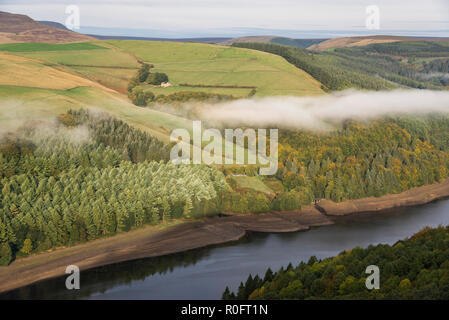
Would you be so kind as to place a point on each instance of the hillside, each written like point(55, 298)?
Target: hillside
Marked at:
point(299, 43)
point(263, 39)
point(53, 24)
point(44, 80)
point(21, 28)
point(190, 66)
point(362, 41)
point(414, 64)
point(217, 66)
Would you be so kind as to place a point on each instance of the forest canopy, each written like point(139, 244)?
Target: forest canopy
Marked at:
point(92, 176)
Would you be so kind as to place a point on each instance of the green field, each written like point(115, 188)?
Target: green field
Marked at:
point(206, 64)
point(109, 66)
point(112, 63)
point(95, 58)
point(252, 184)
point(34, 47)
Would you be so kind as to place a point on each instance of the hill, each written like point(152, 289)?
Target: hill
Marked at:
point(195, 65)
point(201, 40)
point(299, 43)
point(190, 66)
point(415, 64)
point(263, 39)
point(21, 28)
point(53, 24)
point(363, 41)
point(48, 79)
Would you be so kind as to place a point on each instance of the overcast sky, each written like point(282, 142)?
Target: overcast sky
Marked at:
point(199, 16)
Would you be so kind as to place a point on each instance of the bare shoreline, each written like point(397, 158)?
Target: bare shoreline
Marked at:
point(148, 242)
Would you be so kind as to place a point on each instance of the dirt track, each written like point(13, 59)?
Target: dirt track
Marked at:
point(151, 242)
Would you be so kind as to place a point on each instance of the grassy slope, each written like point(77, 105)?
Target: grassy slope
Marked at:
point(208, 64)
point(35, 46)
point(106, 65)
point(20, 103)
point(112, 63)
point(252, 184)
point(20, 71)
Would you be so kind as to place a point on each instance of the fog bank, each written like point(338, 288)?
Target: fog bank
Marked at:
point(318, 113)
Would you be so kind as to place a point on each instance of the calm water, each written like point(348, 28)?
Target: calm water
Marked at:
point(204, 273)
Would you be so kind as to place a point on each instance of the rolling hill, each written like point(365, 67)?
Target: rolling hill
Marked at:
point(215, 65)
point(364, 41)
point(41, 80)
point(21, 28)
point(299, 43)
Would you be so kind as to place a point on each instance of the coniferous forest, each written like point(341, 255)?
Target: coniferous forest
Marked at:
point(89, 175)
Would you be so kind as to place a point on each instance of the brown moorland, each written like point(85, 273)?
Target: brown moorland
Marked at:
point(362, 41)
point(21, 28)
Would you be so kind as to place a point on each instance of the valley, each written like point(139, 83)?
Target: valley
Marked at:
point(87, 175)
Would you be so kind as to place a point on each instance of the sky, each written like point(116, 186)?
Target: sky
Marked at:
point(242, 17)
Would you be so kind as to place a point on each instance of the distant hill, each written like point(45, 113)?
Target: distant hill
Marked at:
point(262, 39)
point(363, 41)
point(53, 24)
point(202, 40)
point(21, 28)
point(299, 43)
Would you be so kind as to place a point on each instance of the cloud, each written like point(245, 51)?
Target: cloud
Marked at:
point(200, 15)
point(319, 113)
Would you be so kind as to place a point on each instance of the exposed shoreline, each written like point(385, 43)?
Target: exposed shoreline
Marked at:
point(147, 242)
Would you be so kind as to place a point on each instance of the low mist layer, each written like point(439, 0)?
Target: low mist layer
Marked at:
point(319, 113)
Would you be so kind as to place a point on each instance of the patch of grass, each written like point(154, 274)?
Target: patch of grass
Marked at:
point(92, 58)
point(252, 184)
point(34, 47)
point(273, 184)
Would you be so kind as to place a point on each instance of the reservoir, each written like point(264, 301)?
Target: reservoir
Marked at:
point(205, 273)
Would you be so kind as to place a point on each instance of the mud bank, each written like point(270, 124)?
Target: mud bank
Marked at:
point(147, 242)
point(413, 197)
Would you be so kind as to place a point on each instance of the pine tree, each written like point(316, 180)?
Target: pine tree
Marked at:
point(5, 254)
point(187, 208)
point(27, 246)
point(155, 218)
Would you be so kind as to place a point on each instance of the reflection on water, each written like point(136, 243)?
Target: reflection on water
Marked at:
point(204, 273)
